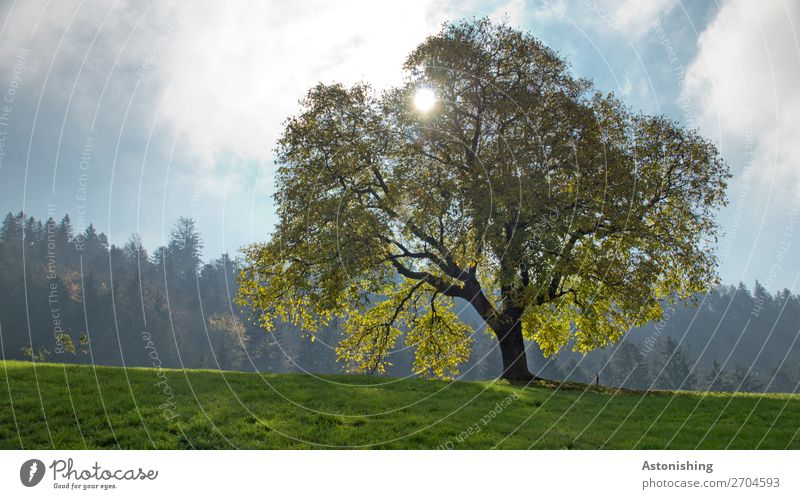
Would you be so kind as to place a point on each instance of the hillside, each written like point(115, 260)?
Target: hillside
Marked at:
point(69, 406)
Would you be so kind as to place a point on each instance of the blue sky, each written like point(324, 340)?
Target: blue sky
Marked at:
point(130, 114)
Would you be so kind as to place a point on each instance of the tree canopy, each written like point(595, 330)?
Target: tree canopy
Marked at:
point(554, 210)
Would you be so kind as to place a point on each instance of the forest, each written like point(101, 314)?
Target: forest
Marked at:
point(69, 296)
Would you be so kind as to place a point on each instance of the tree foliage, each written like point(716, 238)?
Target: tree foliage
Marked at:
point(558, 213)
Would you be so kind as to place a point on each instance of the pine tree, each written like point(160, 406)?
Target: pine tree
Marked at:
point(673, 369)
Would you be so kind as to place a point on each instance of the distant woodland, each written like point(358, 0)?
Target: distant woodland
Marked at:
point(71, 296)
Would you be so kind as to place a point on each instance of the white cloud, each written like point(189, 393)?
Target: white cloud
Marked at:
point(235, 71)
point(512, 11)
point(631, 18)
point(743, 85)
point(226, 74)
point(210, 78)
point(636, 17)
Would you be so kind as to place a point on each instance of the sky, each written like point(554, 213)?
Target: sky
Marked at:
point(129, 114)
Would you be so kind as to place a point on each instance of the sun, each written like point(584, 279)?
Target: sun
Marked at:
point(424, 99)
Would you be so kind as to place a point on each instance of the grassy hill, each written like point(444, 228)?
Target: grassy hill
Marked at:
point(68, 406)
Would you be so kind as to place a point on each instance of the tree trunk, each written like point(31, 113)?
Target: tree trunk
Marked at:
point(507, 327)
point(512, 348)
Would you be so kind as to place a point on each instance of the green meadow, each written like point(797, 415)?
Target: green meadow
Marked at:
point(62, 406)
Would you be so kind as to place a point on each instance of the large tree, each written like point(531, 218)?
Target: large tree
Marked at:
point(491, 177)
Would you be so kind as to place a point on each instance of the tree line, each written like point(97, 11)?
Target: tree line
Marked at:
point(71, 296)
point(735, 339)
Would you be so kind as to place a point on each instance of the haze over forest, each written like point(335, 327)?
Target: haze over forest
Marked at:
point(83, 300)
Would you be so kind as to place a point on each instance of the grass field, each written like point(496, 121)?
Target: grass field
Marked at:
point(75, 407)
